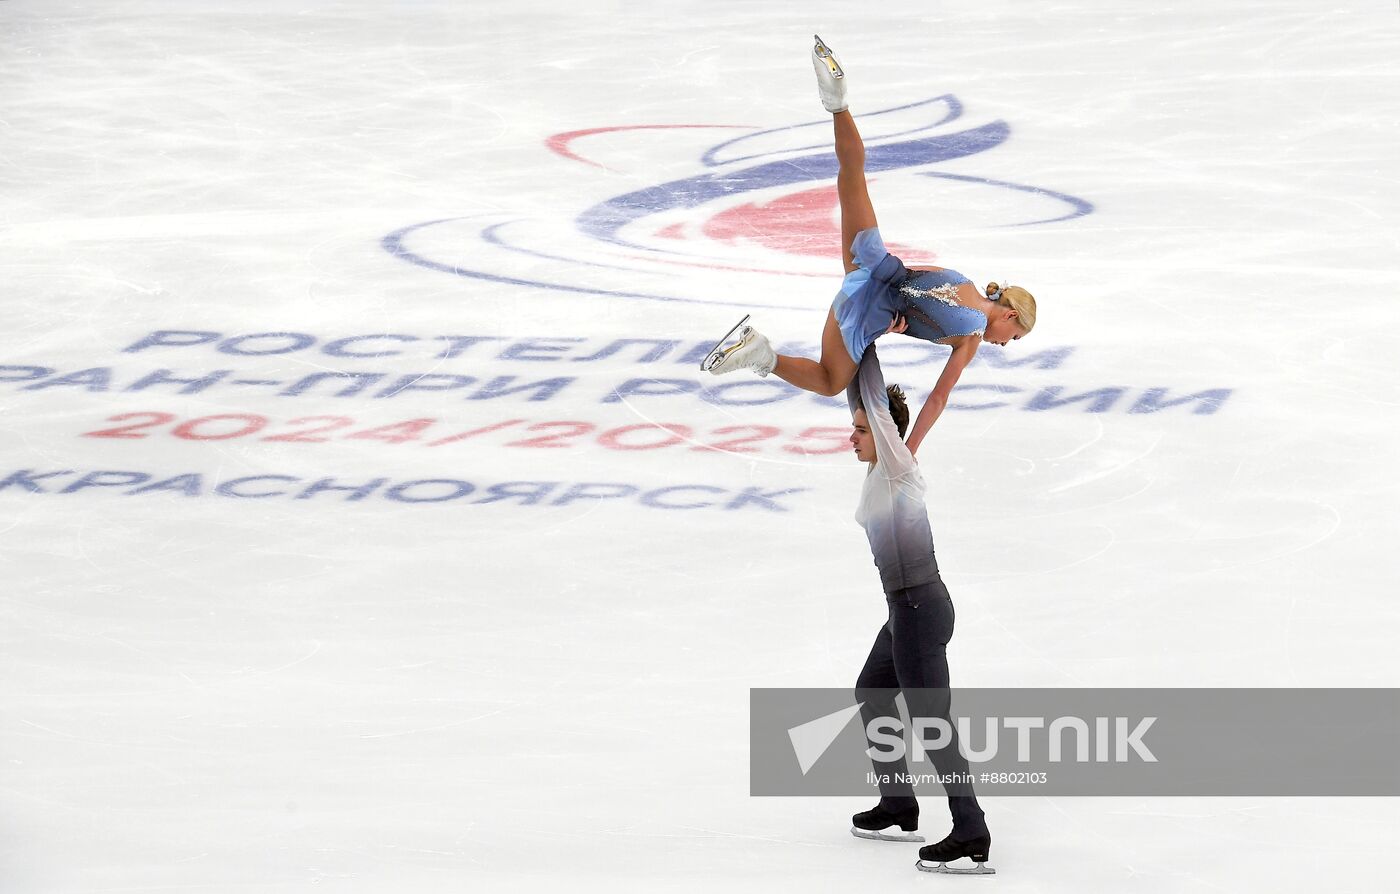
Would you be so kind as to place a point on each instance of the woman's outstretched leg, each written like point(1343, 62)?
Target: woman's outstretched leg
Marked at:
point(829, 376)
point(748, 348)
point(836, 368)
point(857, 212)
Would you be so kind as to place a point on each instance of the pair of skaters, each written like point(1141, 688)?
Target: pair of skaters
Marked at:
point(879, 295)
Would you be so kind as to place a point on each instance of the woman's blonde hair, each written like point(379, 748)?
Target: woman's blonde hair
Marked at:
point(1017, 299)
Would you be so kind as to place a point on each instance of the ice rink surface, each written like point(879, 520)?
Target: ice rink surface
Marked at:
point(475, 604)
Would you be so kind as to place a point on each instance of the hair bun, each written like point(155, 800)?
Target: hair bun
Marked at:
point(992, 289)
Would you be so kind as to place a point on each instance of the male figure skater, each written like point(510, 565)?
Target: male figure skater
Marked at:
point(910, 651)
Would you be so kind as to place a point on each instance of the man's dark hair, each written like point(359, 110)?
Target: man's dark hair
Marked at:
point(899, 408)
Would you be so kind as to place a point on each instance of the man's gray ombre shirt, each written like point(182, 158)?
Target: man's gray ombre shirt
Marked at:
point(891, 506)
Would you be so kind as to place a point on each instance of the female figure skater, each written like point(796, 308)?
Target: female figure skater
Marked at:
point(879, 294)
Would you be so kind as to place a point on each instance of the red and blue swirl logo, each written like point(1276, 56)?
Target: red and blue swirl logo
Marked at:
point(763, 205)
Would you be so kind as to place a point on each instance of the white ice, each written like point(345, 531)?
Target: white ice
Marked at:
point(208, 693)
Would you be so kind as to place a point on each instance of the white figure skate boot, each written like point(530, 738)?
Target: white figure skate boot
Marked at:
point(743, 348)
point(831, 79)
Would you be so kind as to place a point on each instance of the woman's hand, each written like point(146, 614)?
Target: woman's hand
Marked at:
point(898, 324)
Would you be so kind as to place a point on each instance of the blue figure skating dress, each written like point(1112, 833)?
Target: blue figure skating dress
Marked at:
point(881, 287)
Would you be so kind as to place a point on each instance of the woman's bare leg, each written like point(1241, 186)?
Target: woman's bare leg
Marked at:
point(857, 213)
point(828, 377)
point(836, 368)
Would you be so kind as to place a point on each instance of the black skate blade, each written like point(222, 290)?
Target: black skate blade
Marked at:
point(883, 835)
point(945, 869)
point(716, 355)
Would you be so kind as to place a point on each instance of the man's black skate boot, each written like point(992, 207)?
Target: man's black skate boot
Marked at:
point(935, 857)
point(873, 824)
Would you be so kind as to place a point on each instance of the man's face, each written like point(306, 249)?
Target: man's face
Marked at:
point(861, 438)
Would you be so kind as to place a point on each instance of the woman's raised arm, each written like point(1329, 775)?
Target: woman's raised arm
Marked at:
point(962, 355)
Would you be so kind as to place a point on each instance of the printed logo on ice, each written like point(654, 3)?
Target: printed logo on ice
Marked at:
point(765, 205)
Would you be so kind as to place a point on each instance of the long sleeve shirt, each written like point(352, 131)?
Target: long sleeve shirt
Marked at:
point(891, 506)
